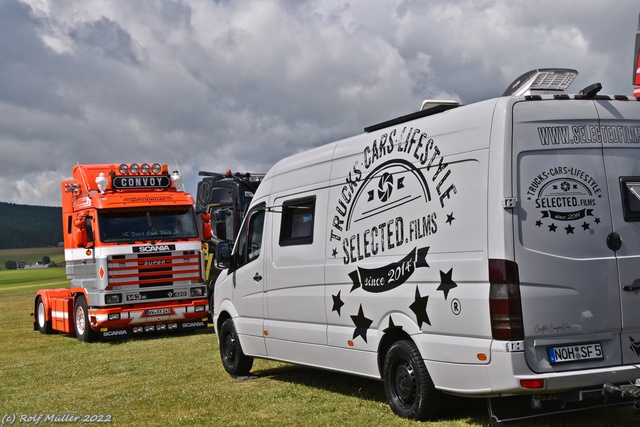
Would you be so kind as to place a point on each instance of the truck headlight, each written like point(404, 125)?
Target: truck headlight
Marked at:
point(113, 298)
point(197, 292)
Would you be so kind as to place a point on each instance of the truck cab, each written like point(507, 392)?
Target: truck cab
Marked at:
point(132, 254)
point(225, 198)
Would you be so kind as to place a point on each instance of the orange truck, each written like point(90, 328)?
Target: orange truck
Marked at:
point(133, 254)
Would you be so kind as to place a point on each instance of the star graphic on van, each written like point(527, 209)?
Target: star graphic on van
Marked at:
point(450, 218)
point(419, 307)
point(446, 283)
point(337, 303)
point(569, 229)
point(362, 324)
point(553, 228)
point(334, 252)
point(391, 326)
point(635, 346)
point(585, 226)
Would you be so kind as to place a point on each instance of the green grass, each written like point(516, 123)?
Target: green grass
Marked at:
point(178, 380)
point(30, 255)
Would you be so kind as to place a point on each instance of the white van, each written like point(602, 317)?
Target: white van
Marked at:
point(489, 250)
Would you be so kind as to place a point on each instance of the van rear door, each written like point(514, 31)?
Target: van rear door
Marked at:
point(568, 274)
point(620, 133)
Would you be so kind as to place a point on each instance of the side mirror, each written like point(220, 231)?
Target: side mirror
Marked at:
point(223, 258)
point(80, 232)
point(207, 233)
point(221, 224)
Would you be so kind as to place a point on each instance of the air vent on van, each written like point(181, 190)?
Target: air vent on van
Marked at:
point(542, 81)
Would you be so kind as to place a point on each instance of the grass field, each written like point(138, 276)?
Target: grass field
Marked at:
point(178, 380)
point(30, 255)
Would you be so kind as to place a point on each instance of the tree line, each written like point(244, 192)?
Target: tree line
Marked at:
point(27, 226)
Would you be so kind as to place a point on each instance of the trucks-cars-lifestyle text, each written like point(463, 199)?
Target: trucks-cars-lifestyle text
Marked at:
point(132, 252)
point(489, 250)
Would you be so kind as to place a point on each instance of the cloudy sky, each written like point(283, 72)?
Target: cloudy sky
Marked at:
point(240, 84)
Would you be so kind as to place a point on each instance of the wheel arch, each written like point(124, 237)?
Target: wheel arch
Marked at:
point(390, 337)
point(398, 327)
point(224, 315)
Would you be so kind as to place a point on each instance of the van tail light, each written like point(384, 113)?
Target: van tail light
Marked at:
point(504, 300)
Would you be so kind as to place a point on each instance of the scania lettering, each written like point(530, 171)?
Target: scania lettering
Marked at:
point(458, 250)
point(133, 255)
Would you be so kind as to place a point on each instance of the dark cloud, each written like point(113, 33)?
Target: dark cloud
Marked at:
point(221, 84)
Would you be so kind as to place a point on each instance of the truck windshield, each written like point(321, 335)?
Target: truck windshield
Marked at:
point(151, 223)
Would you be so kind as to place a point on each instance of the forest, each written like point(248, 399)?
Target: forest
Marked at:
point(26, 226)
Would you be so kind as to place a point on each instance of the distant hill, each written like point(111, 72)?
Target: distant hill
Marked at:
point(26, 226)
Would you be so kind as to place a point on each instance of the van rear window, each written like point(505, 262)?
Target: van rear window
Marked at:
point(297, 221)
point(630, 188)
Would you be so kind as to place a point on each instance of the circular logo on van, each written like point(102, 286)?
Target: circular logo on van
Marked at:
point(567, 199)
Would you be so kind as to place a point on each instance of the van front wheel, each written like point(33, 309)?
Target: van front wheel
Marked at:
point(407, 382)
point(235, 362)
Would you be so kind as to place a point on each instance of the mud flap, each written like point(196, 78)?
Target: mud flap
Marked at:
point(517, 408)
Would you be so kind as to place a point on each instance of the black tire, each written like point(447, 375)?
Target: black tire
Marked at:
point(235, 362)
point(44, 325)
point(407, 383)
point(84, 332)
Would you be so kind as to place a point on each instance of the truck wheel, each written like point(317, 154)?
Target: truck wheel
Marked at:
point(233, 358)
point(44, 325)
point(407, 383)
point(84, 332)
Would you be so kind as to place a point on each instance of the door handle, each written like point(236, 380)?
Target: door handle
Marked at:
point(634, 287)
point(257, 277)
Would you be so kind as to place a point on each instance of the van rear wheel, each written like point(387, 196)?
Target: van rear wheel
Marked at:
point(407, 383)
point(235, 362)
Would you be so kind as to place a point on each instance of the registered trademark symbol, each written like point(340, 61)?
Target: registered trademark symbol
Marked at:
point(456, 307)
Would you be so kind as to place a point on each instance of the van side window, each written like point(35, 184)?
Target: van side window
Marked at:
point(630, 188)
point(297, 221)
point(250, 238)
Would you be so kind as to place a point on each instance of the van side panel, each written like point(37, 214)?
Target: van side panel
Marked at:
point(296, 316)
point(406, 243)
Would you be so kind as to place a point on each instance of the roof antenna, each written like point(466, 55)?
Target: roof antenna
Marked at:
point(591, 90)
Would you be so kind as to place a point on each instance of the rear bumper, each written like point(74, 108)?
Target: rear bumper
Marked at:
point(506, 371)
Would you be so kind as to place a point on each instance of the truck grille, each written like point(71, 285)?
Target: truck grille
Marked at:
point(154, 269)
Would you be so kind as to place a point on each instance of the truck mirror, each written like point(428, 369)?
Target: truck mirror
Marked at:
point(80, 232)
point(207, 233)
point(221, 224)
point(223, 257)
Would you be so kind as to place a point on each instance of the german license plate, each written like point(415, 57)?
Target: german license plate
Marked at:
point(158, 311)
point(574, 353)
